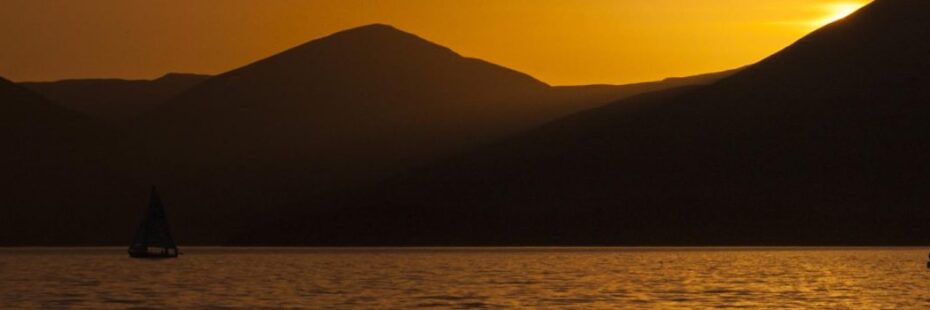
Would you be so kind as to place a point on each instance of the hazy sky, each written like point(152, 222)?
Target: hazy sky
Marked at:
point(557, 41)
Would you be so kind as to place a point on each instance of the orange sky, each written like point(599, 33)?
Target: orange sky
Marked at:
point(558, 41)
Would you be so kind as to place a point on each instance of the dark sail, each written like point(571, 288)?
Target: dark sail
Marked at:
point(153, 239)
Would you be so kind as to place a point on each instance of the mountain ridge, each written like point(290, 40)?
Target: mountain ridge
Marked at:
point(113, 99)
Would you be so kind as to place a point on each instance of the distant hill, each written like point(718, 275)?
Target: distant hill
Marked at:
point(115, 99)
point(34, 129)
point(825, 142)
point(61, 180)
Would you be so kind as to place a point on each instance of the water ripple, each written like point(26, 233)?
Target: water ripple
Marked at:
point(605, 278)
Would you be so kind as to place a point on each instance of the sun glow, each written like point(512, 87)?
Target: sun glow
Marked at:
point(837, 12)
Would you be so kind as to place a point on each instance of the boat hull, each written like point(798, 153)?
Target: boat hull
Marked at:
point(167, 253)
point(150, 256)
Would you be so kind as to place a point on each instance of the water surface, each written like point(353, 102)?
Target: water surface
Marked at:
point(469, 278)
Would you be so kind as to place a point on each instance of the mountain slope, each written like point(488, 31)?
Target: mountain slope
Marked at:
point(59, 176)
point(114, 99)
point(591, 96)
point(20, 105)
point(34, 129)
point(823, 143)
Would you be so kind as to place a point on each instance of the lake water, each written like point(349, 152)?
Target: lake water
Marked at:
point(891, 278)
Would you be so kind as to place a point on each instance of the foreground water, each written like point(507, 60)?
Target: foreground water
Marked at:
point(469, 278)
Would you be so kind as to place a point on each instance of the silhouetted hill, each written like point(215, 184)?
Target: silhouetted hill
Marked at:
point(826, 142)
point(115, 99)
point(344, 110)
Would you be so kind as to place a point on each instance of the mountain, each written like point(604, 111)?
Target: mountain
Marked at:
point(825, 142)
point(260, 142)
point(114, 99)
point(349, 109)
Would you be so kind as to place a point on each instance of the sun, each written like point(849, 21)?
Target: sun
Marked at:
point(838, 11)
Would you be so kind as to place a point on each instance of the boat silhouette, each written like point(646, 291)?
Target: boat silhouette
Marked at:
point(153, 239)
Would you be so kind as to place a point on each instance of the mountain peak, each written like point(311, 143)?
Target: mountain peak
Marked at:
point(376, 27)
point(376, 55)
point(374, 36)
point(374, 31)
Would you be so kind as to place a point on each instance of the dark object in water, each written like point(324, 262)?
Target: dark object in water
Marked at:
point(153, 239)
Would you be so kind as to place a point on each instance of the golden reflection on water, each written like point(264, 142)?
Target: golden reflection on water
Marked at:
point(469, 278)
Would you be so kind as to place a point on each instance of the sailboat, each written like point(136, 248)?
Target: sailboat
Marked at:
point(153, 239)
